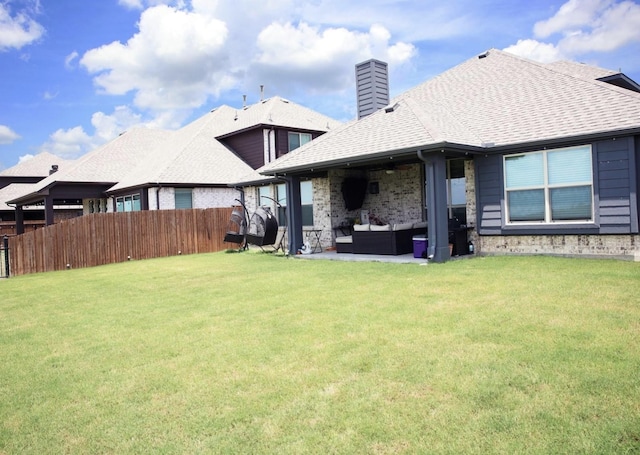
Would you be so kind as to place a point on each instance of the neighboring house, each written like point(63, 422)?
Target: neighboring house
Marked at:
point(19, 179)
point(193, 167)
point(532, 158)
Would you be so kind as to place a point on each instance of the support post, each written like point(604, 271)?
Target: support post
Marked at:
point(19, 220)
point(294, 212)
point(5, 245)
point(438, 219)
point(48, 210)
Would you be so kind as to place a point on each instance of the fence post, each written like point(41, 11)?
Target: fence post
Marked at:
point(5, 245)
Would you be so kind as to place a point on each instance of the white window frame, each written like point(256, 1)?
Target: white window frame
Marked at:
point(128, 203)
point(547, 187)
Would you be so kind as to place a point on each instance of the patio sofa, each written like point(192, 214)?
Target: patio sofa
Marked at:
point(387, 239)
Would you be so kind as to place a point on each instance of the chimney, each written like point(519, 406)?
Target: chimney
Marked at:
point(372, 86)
point(54, 169)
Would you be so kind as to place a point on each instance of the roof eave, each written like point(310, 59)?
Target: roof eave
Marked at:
point(42, 192)
point(362, 160)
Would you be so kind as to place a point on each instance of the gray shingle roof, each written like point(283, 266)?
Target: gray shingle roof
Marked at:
point(13, 191)
point(108, 163)
point(500, 99)
point(37, 166)
point(192, 155)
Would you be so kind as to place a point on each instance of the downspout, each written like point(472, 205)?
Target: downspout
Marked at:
point(158, 196)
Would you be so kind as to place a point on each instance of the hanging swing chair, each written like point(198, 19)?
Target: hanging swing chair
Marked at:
point(263, 228)
point(237, 227)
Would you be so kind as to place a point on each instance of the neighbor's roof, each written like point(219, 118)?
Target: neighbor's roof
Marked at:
point(37, 166)
point(190, 155)
point(108, 163)
point(496, 99)
point(193, 155)
point(11, 192)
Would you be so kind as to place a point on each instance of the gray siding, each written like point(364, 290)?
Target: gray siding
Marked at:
point(372, 85)
point(614, 182)
point(249, 146)
point(489, 188)
point(615, 185)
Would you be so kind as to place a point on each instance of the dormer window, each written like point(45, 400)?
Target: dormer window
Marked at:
point(298, 139)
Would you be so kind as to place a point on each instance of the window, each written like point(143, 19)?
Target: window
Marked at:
point(281, 196)
point(264, 196)
point(549, 186)
point(298, 139)
point(456, 191)
point(129, 203)
point(183, 198)
point(306, 196)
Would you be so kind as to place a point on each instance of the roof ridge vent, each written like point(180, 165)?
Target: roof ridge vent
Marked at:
point(483, 55)
point(389, 109)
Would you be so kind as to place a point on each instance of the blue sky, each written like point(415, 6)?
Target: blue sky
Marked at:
point(76, 73)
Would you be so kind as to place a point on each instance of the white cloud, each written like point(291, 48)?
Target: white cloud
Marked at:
point(7, 135)
point(18, 30)
point(50, 96)
point(73, 142)
point(141, 4)
point(184, 55)
point(322, 59)
point(176, 60)
point(617, 26)
point(582, 27)
point(69, 143)
point(70, 59)
point(535, 50)
point(24, 158)
point(131, 4)
point(573, 14)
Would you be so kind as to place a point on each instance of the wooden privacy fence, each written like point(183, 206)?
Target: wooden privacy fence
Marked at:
point(105, 238)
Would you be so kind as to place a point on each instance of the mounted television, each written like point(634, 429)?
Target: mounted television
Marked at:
point(354, 189)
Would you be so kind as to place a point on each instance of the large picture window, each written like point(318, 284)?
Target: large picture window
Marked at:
point(549, 186)
point(306, 196)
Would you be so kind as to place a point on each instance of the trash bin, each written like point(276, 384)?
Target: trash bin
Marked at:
point(420, 244)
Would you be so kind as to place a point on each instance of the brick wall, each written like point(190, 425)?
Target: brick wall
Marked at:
point(615, 246)
point(399, 200)
point(202, 198)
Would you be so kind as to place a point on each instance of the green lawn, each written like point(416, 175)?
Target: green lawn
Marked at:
point(254, 353)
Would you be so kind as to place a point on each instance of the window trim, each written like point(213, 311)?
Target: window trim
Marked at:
point(548, 222)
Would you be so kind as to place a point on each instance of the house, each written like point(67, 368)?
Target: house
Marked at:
point(193, 167)
point(19, 179)
point(523, 157)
